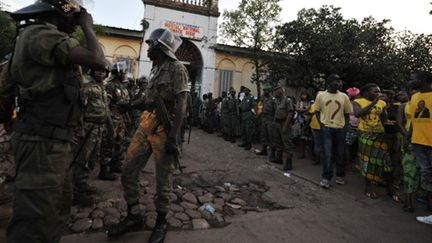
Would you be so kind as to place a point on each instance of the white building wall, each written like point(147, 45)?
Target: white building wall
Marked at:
point(156, 16)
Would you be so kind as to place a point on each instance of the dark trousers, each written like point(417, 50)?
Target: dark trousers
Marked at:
point(333, 144)
point(43, 194)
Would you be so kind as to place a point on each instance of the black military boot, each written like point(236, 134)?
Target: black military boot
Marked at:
point(242, 145)
point(263, 151)
point(248, 146)
point(131, 222)
point(279, 157)
point(233, 139)
point(105, 175)
point(288, 162)
point(272, 157)
point(160, 229)
point(115, 166)
point(82, 198)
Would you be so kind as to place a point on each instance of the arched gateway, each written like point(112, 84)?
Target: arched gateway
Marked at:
point(195, 21)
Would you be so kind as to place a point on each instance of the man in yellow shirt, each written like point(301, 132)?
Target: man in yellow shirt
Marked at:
point(333, 108)
point(420, 108)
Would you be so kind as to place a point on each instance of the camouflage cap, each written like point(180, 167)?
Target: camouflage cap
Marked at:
point(232, 89)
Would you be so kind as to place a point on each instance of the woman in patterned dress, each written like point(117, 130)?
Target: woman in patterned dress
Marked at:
point(374, 146)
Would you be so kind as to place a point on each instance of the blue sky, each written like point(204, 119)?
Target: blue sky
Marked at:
point(404, 14)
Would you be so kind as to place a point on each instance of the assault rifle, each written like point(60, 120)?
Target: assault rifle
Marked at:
point(163, 117)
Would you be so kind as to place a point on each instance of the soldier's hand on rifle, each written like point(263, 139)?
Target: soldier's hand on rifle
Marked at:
point(171, 146)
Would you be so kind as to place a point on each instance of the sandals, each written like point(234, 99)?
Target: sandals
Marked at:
point(371, 195)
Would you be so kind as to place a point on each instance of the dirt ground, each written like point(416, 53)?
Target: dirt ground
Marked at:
point(296, 209)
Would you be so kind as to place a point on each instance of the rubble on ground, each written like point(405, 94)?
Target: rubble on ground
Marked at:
point(195, 206)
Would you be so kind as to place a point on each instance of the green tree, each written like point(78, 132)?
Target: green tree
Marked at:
point(252, 25)
point(79, 34)
point(322, 41)
point(7, 33)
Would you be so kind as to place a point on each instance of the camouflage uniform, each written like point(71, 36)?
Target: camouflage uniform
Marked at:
point(232, 117)
point(267, 118)
point(43, 133)
point(6, 166)
point(280, 138)
point(168, 79)
point(113, 148)
point(96, 113)
point(225, 118)
point(247, 106)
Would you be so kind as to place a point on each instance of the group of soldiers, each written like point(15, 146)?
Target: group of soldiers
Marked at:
point(63, 122)
point(111, 110)
point(242, 114)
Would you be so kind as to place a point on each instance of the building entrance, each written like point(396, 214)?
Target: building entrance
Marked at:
point(191, 57)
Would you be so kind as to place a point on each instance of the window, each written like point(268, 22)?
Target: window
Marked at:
point(225, 82)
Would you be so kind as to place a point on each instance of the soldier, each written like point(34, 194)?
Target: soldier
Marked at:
point(168, 91)
point(280, 135)
point(267, 117)
point(196, 104)
point(247, 111)
point(119, 98)
point(44, 69)
point(224, 116)
point(210, 113)
point(203, 112)
point(95, 116)
point(137, 102)
point(232, 115)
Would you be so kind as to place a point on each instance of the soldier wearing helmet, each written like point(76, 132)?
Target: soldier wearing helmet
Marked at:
point(168, 82)
point(96, 115)
point(119, 98)
point(44, 68)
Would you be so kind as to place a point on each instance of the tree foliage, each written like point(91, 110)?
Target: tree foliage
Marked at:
point(322, 41)
point(7, 33)
point(79, 34)
point(252, 25)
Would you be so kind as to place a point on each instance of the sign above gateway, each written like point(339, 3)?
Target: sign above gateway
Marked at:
point(184, 30)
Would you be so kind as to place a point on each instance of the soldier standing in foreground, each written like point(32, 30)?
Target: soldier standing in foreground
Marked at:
point(95, 116)
point(281, 131)
point(267, 117)
point(118, 95)
point(247, 110)
point(167, 98)
point(43, 69)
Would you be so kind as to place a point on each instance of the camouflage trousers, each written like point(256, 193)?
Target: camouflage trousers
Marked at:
point(113, 147)
point(149, 139)
point(231, 122)
point(265, 130)
point(247, 127)
point(90, 154)
point(280, 139)
point(43, 194)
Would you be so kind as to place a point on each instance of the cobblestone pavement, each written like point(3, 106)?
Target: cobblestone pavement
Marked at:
point(253, 202)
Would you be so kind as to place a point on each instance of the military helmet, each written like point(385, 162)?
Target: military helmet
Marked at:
point(165, 40)
point(142, 80)
point(267, 87)
point(64, 7)
point(119, 68)
point(232, 90)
